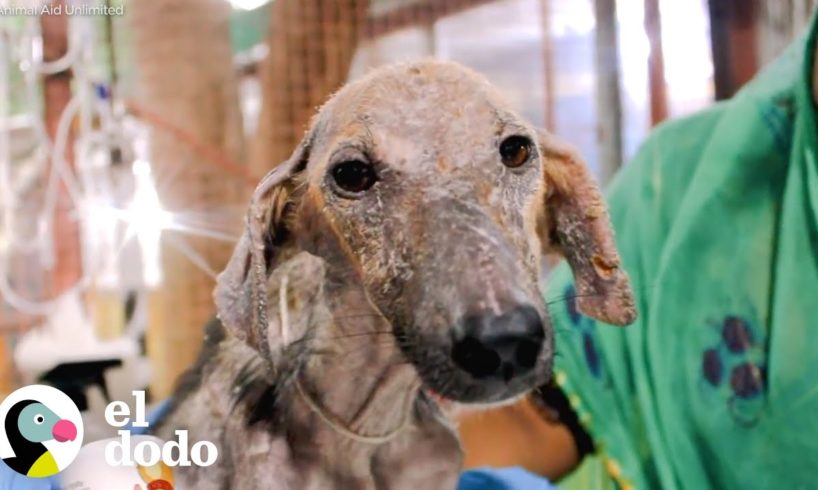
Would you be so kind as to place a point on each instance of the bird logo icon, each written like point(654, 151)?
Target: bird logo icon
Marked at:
point(42, 429)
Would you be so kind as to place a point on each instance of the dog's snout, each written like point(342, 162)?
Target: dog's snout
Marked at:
point(504, 346)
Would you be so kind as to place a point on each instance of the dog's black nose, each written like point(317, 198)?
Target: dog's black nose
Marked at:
point(505, 346)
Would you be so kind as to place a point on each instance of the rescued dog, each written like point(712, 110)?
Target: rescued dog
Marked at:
point(391, 262)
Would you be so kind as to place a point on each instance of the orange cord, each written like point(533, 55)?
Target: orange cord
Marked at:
point(209, 153)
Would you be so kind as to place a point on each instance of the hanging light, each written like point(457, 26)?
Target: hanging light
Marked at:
point(247, 4)
point(146, 219)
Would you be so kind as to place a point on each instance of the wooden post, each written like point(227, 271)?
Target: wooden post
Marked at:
point(311, 45)
point(7, 384)
point(609, 99)
point(656, 63)
point(733, 42)
point(57, 94)
point(186, 80)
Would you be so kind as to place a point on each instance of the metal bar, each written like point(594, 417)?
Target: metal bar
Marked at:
point(549, 111)
point(609, 98)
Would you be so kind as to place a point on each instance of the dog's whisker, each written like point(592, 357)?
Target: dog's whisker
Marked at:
point(366, 336)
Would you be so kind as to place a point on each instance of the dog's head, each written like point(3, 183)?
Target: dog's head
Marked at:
point(421, 186)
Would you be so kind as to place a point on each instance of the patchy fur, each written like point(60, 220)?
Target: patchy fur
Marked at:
point(341, 309)
point(268, 437)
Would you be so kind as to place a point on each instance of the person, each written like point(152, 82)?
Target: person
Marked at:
point(715, 385)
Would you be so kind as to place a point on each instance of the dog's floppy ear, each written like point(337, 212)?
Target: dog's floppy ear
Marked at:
point(576, 224)
point(241, 289)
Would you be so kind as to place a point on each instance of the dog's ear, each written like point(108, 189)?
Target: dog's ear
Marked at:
point(241, 289)
point(575, 224)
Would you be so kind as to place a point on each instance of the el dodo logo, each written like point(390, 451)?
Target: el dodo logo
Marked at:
point(41, 431)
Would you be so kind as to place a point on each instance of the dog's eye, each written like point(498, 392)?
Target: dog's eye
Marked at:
point(515, 151)
point(354, 176)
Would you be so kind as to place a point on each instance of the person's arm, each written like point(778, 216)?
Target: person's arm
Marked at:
point(518, 435)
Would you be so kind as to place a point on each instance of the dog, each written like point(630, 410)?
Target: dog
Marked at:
point(390, 267)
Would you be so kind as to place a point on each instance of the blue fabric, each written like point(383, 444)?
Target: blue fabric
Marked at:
point(11, 480)
point(502, 479)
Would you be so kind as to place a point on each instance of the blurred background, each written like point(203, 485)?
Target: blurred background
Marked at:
point(130, 139)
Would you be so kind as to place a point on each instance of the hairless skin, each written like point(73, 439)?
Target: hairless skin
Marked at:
point(392, 262)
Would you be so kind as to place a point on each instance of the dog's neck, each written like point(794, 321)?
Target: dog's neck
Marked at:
point(367, 412)
point(357, 381)
point(347, 403)
point(355, 385)
point(354, 411)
